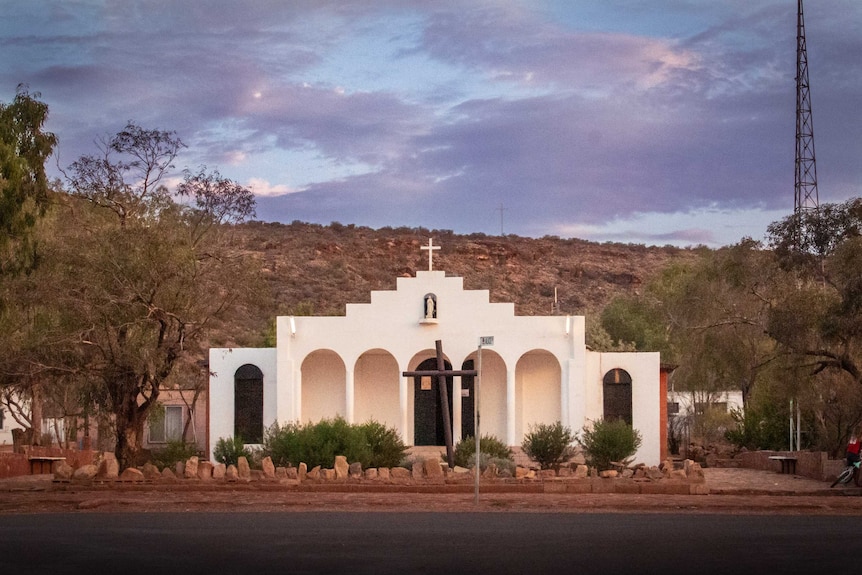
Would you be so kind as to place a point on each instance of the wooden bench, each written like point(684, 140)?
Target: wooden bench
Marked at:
point(40, 461)
point(788, 464)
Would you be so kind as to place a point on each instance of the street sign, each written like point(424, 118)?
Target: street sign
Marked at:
point(486, 340)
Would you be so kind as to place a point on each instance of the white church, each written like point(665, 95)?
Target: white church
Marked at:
point(531, 370)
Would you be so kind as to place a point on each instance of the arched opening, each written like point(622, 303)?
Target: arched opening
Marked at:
point(617, 392)
point(248, 404)
point(428, 428)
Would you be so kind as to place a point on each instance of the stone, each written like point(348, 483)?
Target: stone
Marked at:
point(168, 475)
point(231, 473)
point(371, 473)
point(179, 469)
point(219, 470)
point(418, 470)
point(242, 468)
point(355, 470)
point(654, 473)
point(328, 474)
point(565, 472)
point(85, 472)
point(191, 469)
point(458, 469)
point(432, 468)
point(341, 467)
point(131, 474)
point(383, 473)
point(109, 467)
point(609, 473)
point(490, 471)
point(291, 473)
point(302, 471)
point(268, 467)
point(63, 470)
point(582, 471)
point(678, 474)
point(314, 473)
point(399, 473)
point(205, 470)
point(150, 471)
point(547, 473)
point(281, 472)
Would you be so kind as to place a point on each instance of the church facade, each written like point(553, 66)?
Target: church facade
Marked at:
point(530, 370)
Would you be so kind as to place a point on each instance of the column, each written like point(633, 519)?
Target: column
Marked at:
point(456, 410)
point(510, 408)
point(349, 396)
point(297, 395)
point(402, 400)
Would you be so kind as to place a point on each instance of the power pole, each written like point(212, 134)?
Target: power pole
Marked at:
point(805, 182)
point(501, 209)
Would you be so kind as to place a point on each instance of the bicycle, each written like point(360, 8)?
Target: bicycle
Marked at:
point(847, 474)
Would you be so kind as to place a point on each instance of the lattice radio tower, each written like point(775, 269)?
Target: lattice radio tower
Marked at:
point(805, 185)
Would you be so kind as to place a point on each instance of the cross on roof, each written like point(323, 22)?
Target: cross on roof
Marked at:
point(430, 247)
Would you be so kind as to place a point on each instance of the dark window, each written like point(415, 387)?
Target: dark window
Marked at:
point(617, 390)
point(248, 404)
point(672, 407)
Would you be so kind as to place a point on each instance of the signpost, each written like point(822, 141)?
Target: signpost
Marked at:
point(484, 341)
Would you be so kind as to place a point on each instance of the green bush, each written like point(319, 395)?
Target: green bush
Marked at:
point(172, 453)
point(549, 445)
point(372, 444)
point(387, 449)
point(489, 446)
point(758, 427)
point(608, 441)
point(229, 450)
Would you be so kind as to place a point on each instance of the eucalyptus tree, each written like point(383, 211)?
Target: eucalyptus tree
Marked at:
point(24, 196)
point(24, 187)
point(147, 272)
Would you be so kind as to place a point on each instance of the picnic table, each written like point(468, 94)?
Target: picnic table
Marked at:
point(788, 463)
point(41, 460)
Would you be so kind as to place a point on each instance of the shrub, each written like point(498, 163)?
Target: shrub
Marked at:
point(387, 449)
point(372, 444)
point(172, 453)
point(229, 450)
point(489, 446)
point(549, 445)
point(608, 441)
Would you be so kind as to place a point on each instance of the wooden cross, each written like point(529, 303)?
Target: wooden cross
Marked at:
point(441, 373)
point(430, 247)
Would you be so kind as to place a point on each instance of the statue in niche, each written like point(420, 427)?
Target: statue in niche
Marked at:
point(430, 307)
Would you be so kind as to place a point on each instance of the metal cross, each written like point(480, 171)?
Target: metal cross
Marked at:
point(430, 247)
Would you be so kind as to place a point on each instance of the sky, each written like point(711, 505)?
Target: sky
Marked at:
point(660, 122)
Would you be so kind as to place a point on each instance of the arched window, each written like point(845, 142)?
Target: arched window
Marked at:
point(248, 404)
point(617, 392)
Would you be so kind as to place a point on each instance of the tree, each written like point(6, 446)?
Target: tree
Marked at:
point(24, 149)
point(24, 198)
point(145, 274)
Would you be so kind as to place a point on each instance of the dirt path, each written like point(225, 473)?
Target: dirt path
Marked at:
point(733, 491)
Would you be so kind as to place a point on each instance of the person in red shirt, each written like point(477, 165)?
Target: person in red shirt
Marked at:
point(853, 448)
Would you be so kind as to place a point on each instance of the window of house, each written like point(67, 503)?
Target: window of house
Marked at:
point(1, 418)
point(167, 426)
point(673, 408)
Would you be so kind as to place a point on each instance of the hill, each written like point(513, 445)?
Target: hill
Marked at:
point(312, 269)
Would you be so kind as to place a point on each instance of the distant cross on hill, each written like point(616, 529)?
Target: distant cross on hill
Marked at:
point(430, 247)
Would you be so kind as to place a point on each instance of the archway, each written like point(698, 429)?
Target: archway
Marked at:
point(428, 426)
point(617, 392)
point(248, 404)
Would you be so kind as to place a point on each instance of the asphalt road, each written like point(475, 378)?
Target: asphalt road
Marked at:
point(441, 543)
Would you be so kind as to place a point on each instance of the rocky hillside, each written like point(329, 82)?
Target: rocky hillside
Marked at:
point(315, 270)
